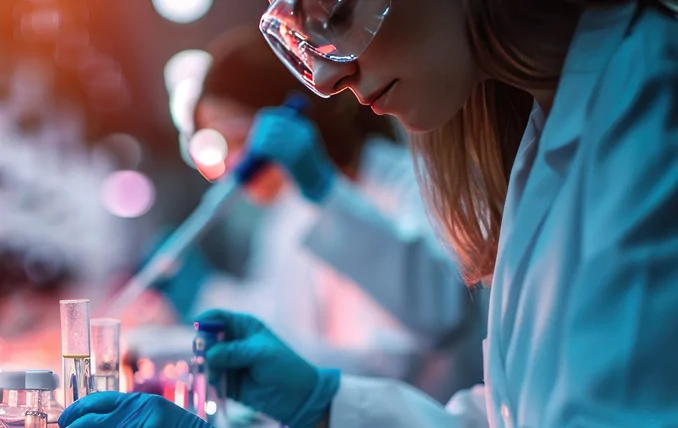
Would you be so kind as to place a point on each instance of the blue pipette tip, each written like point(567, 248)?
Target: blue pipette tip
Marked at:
point(209, 326)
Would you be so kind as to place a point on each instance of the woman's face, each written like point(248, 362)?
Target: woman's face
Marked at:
point(234, 121)
point(417, 68)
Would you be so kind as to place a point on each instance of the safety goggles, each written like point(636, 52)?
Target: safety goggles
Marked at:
point(300, 31)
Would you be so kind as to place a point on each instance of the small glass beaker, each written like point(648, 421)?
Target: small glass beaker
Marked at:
point(105, 354)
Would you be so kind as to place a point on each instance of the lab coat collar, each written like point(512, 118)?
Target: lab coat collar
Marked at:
point(598, 35)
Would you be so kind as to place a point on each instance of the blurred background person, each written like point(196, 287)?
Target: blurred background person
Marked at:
point(339, 275)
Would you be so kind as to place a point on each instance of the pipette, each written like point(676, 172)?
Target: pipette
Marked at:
point(216, 202)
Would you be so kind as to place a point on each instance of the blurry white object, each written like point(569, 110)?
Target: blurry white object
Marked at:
point(188, 64)
point(208, 148)
point(182, 104)
point(182, 11)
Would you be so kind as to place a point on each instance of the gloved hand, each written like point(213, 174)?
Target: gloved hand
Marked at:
point(114, 409)
point(264, 374)
point(285, 137)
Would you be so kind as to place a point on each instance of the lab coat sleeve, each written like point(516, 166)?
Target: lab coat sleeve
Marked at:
point(619, 355)
point(379, 403)
point(397, 260)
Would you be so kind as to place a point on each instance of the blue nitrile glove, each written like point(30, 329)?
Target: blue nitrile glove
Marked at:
point(287, 138)
point(114, 409)
point(266, 375)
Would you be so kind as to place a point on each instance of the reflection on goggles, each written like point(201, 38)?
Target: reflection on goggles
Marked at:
point(290, 50)
point(334, 30)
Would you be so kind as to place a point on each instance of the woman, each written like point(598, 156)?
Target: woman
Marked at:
point(581, 326)
point(312, 274)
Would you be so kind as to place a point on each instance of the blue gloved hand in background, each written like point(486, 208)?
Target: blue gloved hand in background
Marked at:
point(114, 409)
point(287, 138)
point(266, 375)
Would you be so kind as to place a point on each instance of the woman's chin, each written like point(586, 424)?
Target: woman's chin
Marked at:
point(418, 121)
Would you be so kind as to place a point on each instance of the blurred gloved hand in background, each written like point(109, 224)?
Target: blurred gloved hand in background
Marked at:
point(287, 138)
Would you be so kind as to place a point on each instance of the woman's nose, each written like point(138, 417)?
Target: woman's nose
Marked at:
point(332, 77)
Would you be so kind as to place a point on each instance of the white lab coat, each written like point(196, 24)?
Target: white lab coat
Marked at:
point(583, 326)
point(362, 283)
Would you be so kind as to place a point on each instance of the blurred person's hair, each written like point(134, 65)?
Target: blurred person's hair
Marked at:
point(246, 71)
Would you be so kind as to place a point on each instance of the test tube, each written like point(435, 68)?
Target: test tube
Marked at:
point(105, 334)
point(204, 399)
point(75, 349)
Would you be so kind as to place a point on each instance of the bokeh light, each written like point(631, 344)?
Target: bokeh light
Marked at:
point(188, 64)
point(127, 194)
point(208, 148)
point(126, 150)
point(182, 11)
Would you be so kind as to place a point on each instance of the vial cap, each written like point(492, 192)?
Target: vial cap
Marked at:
point(31, 380)
point(209, 326)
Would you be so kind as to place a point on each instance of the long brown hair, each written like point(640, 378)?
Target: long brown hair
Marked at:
point(246, 70)
point(465, 165)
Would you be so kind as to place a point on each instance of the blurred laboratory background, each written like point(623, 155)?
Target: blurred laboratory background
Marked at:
point(92, 98)
point(95, 101)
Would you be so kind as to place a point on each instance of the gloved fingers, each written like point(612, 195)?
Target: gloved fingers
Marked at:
point(234, 384)
point(226, 384)
point(89, 421)
point(239, 354)
point(275, 140)
point(281, 128)
point(236, 326)
point(99, 403)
